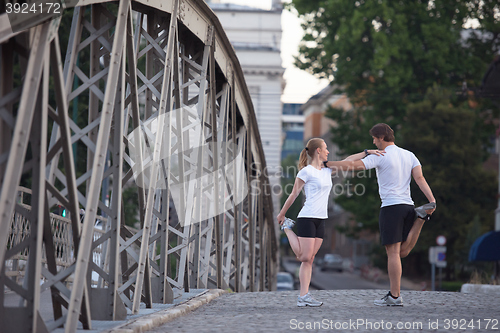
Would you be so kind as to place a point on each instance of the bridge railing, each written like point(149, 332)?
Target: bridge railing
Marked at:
point(19, 230)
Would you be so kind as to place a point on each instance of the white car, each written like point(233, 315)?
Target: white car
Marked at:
point(285, 281)
point(332, 262)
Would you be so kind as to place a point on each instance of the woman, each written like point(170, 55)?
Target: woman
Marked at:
point(316, 180)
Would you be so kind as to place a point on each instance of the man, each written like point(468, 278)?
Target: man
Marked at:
point(399, 223)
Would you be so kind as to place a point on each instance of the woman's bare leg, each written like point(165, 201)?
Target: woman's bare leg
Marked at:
point(294, 242)
point(307, 246)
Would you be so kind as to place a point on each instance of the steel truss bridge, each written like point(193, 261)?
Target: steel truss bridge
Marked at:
point(144, 96)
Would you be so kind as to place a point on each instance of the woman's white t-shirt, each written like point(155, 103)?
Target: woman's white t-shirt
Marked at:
point(318, 184)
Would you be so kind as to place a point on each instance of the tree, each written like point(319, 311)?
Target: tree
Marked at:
point(385, 51)
point(289, 167)
point(384, 55)
point(449, 148)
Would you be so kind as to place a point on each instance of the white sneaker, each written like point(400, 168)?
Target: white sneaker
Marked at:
point(307, 300)
point(288, 223)
point(387, 300)
point(421, 210)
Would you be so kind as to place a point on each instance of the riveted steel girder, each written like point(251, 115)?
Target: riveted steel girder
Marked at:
point(150, 99)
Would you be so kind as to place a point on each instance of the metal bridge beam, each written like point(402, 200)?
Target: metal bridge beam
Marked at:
point(161, 107)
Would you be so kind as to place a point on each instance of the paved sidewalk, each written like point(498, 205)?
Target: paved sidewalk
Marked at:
point(344, 311)
point(141, 322)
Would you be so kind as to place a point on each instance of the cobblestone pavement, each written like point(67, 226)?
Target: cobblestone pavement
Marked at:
point(343, 311)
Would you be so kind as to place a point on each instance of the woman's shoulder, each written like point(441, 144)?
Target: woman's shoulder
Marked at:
point(307, 168)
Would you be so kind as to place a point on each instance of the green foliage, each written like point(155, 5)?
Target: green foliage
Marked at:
point(385, 55)
point(289, 166)
point(131, 205)
point(445, 140)
point(451, 285)
point(365, 206)
point(382, 51)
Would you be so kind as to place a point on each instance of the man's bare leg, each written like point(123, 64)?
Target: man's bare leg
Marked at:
point(413, 235)
point(394, 268)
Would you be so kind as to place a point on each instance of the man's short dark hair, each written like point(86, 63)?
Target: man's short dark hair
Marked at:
point(382, 131)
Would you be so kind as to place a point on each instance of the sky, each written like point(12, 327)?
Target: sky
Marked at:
point(300, 85)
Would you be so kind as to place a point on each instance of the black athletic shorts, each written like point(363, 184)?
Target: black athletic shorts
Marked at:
point(310, 227)
point(395, 223)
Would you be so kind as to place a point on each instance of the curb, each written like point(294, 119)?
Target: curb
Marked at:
point(480, 288)
point(159, 318)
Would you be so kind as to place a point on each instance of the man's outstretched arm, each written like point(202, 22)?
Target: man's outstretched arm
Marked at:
point(358, 156)
point(353, 162)
point(422, 184)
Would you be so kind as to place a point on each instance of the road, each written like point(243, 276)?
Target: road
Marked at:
point(344, 280)
point(331, 280)
point(342, 311)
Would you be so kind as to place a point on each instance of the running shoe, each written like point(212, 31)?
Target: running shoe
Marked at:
point(387, 300)
point(307, 300)
point(421, 211)
point(288, 223)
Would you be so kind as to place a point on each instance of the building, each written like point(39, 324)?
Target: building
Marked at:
point(256, 37)
point(293, 130)
point(316, 125)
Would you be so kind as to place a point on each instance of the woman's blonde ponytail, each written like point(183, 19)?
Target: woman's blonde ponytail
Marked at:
point(309, 150)
point(303, 159)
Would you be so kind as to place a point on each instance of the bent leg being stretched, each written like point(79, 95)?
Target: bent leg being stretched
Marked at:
point(294, 242)
point(413, 235)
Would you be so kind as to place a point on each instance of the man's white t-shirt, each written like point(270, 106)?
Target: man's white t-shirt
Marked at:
point(393, 174)
point(318, 184)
